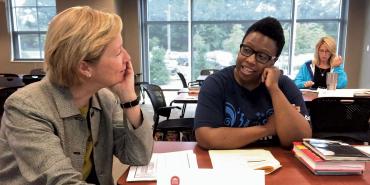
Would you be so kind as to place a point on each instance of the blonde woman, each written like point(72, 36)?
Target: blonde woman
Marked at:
point(313, 73)
point(66, 128)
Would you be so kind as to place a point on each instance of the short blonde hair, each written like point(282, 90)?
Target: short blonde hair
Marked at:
point(76, 34)
point(332, 47)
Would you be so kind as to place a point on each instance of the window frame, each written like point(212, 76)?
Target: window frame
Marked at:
point(15, 47)
point(293, 21)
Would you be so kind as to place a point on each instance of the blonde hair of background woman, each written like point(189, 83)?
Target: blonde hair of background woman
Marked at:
point(332, 47)
point(76, 34)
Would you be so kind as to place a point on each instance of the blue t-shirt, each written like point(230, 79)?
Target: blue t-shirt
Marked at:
point(222, 102)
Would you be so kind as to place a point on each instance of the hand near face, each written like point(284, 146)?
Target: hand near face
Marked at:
point(309, 84)
point(337, 61)
point(270, 76)
point(126, 88)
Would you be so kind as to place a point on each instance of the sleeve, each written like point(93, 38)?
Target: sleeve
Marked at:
point(34, 145)
point(209, 112)
point(131, 146)
point(342, 77)
point(301, 77)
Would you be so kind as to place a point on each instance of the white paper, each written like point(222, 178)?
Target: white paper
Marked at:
point(248, 158)
point(339, 92)
point(237, 176)
point(163, 161)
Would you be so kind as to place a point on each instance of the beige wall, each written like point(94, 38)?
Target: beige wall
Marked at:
point(355, 40)
point(364, 81)
point(357, 59)
point(130, 32)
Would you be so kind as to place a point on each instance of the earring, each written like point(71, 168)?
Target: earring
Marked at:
point(88, 75)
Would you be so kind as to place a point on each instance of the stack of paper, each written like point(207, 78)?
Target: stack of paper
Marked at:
point(254, 159)
point(211, 176)
point(163, 161)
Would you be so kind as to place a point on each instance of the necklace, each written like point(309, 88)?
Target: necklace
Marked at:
point(322, 71)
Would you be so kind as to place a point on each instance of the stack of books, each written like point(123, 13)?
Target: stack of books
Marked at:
point(327, 157)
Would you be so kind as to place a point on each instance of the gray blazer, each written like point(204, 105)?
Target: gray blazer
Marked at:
point(43, 137)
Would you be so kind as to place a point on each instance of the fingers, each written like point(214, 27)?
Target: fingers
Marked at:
point(309, 84)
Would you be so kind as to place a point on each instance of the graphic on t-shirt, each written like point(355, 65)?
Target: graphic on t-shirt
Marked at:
point(237, 118)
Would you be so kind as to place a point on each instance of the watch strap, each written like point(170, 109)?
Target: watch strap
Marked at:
point(131, 103)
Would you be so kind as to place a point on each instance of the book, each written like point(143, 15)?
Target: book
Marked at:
point(254, 159)
point(334, 150)
point(320, 166)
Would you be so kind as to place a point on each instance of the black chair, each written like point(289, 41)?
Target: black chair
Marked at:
point(8, 75)
point(11, 81)
point(184, 83)
point(4, 94)
point(208, 71)
point(27, 79)
point(345, 119)
point(180, 129)
point(37, 71)
point(139, 86)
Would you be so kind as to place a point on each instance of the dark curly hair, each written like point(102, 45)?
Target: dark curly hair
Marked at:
point(270, 27)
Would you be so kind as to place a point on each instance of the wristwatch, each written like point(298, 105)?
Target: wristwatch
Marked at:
point(130, 104)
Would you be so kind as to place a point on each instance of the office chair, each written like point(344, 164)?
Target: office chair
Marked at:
point(8, 75)
point(180, 129)
point(183, 81)
point(37, 71)
point(4, 94)
point(340, 118)
point(27, 79)
point(11, 81)
point(208, 71)
point(139, 86)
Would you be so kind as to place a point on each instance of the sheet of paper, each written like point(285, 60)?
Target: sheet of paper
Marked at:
point(364, 148)
point(211, 176)
point(339, 92)
point(160, 161)
point(258, 159)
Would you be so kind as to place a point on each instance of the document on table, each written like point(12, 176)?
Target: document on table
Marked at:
point(211, 176)
point(257, 159)
point(163, 161)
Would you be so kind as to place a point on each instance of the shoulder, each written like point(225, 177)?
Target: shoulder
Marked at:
point(31, 92)
point(223, 75)
point(287, 85)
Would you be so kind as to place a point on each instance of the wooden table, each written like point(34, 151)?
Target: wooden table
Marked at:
point(292, 171)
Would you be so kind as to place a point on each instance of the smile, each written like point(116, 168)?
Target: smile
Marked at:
point(246, 70)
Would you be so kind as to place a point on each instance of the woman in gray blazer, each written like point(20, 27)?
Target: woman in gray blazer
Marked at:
point(66, 128)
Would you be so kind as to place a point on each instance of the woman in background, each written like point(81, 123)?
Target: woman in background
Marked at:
point(313, 73)
point(66, 128)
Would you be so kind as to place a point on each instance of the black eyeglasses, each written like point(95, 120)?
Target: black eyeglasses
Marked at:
point(261, 57)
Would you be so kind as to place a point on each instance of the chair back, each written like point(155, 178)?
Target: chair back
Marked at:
point(37, 71)
point(11, 81)
point(208, 71)
point(183, 80)
point(27, 79)
point(8, 75)
point(341, 118)
point(4, 94)
point(157, 98)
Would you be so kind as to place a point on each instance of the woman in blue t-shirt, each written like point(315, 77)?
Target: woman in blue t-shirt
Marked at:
point(313, 73)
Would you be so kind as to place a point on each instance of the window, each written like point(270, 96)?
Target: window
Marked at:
point(189, 35)
point(29, 21)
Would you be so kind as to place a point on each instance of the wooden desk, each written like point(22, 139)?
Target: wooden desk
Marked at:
point(292, 171)
point(185, 96)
